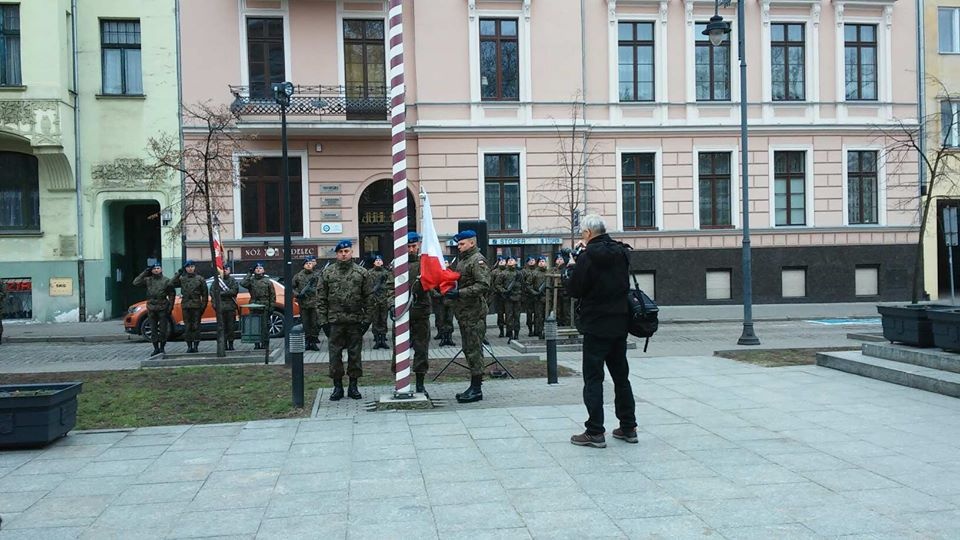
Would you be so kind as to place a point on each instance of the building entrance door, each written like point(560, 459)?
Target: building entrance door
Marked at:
point(134, 241)
point(375, 220)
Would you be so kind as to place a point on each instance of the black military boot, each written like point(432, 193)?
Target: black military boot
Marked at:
point(529, 330)
point(257, 345)
point(163, 347)
point(352, 390)
point(382, 341)
point(420, 388)
point(312, 344)
point(337, 393)
point(501, 331)
point(439, 335)
point(230, 345)
point(474, 392)
point(156, 348)
point(196, 346)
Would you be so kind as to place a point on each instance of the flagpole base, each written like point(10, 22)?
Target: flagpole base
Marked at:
point(391, 402)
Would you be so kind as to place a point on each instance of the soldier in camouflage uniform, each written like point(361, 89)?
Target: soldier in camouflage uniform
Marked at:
point(345, 303)
point(194, 297)
point(228, 304)
point(509, 289)
point(526, 298)
point(495, 274)
point(160, 296)
point(419, 314)
point(306, 288)
point(261, 292)
point(558, 293)
point(443, 319)
point(537, 289)
point(382, 301)
point(469, 302)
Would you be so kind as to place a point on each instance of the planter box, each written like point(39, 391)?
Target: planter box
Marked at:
point(946, 329)
point(909, 324)
point(36, 414)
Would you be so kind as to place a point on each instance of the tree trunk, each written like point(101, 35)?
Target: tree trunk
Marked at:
point(918, 264)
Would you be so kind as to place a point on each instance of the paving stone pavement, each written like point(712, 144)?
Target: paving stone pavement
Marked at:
point(727, 450)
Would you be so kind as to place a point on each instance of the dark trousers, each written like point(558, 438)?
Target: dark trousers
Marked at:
point(159, 325)
point(310, 319)
point(612, 352)
point(345, 337)
point(191, 323)
point(420, 339)
point(229, 324)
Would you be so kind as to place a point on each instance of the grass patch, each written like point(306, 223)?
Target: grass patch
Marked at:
point(779, 357)
point(215, 394)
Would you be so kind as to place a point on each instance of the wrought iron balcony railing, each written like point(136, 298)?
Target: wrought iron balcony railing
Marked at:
point(351, 102)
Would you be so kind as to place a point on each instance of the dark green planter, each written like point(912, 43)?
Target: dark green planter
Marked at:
point(29, 419)
point(946, 328)
point(909, 324)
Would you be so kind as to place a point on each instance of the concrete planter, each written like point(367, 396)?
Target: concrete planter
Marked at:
point(36, 414)
point(909, 324)
point(946, 328)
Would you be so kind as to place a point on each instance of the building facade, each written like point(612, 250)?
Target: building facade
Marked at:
point(81, 91)
point(497, 90)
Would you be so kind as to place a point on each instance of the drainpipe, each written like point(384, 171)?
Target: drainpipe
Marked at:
point(583, 84)
point(183, 231)
point(921, 95)
point(81, 271)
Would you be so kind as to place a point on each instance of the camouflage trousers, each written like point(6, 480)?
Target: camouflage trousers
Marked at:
point(159, 325)
point(539, 314)
point(378, 321)
point(310, 319)
point(473, 329)
point(419, 342)
point(512, 315)
point(191, 323)
point(345, 336)
point(528, 309)
point(229, 318)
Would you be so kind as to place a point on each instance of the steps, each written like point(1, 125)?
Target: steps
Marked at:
point(926, 369)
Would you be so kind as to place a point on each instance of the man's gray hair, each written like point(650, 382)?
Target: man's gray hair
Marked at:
point(593, 223)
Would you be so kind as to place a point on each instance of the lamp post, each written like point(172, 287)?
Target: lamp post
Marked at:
point(282, 93)
point(717, 30)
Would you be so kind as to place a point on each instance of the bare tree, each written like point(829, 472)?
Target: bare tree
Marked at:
point(206, 164)
point(930, 139)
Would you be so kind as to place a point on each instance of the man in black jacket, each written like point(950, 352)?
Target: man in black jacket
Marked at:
point(599, 279)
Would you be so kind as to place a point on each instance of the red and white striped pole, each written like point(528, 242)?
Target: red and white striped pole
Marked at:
point(398, 121)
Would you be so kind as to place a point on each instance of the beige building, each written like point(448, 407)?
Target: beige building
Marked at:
point(490, 85)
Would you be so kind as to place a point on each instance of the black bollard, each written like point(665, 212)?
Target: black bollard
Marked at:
point(297, 345)
point(550, 330)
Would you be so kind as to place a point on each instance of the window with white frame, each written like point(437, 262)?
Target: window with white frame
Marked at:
point(950, 123)
point(789, 187)
point(862, 190)
point(860, 61)
point(715, 190)
point(787, 59)
point(499, 60)
point(949, 29)
point(266, 60)
point(712, 65)
point(635, 53)
point(261, 194)
point(638, 178)
point(501, 184)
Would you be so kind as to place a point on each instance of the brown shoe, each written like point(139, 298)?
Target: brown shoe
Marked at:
point(624, 435)
point(585, 439)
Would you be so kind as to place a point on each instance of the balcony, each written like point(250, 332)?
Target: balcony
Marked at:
point(353, 109)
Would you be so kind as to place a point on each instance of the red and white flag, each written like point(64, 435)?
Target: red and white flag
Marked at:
point(218, 256)
point(434, 273)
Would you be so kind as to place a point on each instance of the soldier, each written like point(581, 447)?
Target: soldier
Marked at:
point(496, 273)
point(558, 293)
point(538, 293)
point(261, 292)
point(160, 296)
point(382, 280)
point(509, 288)
point(443, 319)
point(345, 304)
point(194, 296)
point(526, 298)
point(306, 288)
point(419, 314)
point(228, 304)
point(469, 302)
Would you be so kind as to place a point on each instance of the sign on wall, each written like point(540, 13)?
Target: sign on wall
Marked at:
point(248, 253)
point(61, 286)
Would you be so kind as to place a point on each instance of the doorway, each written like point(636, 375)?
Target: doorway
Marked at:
point(375, 220)
point(133, 237)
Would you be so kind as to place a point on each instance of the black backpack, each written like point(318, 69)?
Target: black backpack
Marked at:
point(643, 313)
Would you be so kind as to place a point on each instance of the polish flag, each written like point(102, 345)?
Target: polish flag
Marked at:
point(433, 268)
point(218, 256)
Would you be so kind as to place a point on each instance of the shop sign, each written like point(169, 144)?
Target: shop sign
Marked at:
point(260, 253)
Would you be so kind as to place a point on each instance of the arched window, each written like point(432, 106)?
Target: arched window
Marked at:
point(19, 192)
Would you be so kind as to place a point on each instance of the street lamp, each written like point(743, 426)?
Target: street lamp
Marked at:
point(717, 30)
point(282, 92)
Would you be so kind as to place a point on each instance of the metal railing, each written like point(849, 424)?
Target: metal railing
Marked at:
point(351, 102)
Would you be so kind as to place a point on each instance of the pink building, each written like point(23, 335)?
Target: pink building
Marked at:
point(490, 87)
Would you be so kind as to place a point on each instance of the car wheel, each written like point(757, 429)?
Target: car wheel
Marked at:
point(146, 329)
point(276, 324)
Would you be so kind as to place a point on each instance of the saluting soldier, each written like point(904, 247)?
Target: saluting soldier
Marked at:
point(496, 273)
point(419, 314)
point(194, 297)
point(160, 296)
point(509, 288)
point(261, 292)
point(229, 289)
point(469, 302)
point(538, 293)
point(527, 298)
point(306, 288)
point(345, 305)
point(382, 279)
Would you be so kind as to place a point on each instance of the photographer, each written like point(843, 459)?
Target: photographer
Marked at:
point(599, 278)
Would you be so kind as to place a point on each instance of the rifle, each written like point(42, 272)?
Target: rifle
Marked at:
point(513, 282)
point(310, 288)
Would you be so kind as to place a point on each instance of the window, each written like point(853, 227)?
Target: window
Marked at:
point(638, 177)
point(499, 60)
point(712, 67)
point(635, 57)
point(867, 280)
point(950, 123)
point(501, 178)
point(860, 61)
point(19, 301)
point(789, 193)
point(787, 61)
point(19, 192)
point(365, 67)
point(10, 45)
point(262, 197)
point(949, 19)
point(714, 179)
point(718, 284)
point(120, 44)
point(265, 55)
point(862, 192)
point(793, 282)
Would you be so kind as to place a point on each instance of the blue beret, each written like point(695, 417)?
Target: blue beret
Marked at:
point(413, 237)
point(558, 256)
point(344, 244)
point(377, 258)
point(309, 258)
point(531, 258)
point(157, 265)
point(189, 262)
point(463, 235)
point(500, 258)
point(257, 264)
point(228, 266)
point(511, 258)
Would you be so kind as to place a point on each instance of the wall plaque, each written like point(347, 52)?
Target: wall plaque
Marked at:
point(330, 214)
point(61, 286)
point(329, 188)
point(330, 201)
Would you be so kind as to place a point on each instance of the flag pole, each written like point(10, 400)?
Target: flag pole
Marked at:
point(398, 121)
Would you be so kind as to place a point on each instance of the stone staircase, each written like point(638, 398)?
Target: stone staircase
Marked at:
point(932, 370)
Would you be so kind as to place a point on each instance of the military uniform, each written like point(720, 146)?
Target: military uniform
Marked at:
point(557, 300)
point(261, 292)
point(344, 305)
point(526, 299)
point(470, 305)
point(381, 301)
point(537, 286)
point(3, 297)
point(160, 294)
point(509, 289)
point(443, 318)
point(306, 287)
point(419, 321)
point(496, 273)
point(194, 297)
point(228, 308)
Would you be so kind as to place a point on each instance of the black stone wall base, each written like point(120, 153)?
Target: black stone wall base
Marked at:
point(680, 275)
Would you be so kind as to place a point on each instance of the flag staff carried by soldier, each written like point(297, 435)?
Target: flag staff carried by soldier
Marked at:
point(160, 297)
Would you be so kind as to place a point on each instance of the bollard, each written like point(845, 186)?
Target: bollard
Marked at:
point(550, 330)
point(297, 344)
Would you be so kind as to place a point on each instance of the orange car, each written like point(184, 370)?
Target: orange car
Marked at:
point(137, 322)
